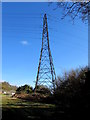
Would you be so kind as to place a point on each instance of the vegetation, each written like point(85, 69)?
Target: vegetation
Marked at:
point(28, 93)
point(71, 83)
point(19, 109)
point(71, 99)
point(24, 89)
point(75, 9)
point(7, 87)
point(43, 90)
point(72, 94)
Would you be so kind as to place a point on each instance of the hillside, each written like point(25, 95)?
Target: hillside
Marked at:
point(7, 87)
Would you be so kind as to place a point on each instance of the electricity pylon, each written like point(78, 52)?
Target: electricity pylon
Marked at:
point(46, 72)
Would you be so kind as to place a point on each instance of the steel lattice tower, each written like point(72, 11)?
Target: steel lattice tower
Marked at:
point(46, 72)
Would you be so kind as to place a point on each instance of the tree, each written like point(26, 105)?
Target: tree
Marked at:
point(75, 9)
point(72, 85)
point(72, 95)
point(24, 89)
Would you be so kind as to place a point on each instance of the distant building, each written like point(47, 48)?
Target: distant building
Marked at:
point(4, 92)
point(13, 93)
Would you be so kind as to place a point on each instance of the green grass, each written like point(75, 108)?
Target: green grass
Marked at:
point(9, 101)
point(14, 108)
point(18, 109)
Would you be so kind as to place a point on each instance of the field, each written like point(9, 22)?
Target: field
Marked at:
point(17, 109)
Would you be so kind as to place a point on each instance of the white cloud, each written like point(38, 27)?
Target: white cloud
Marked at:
point(24, 42)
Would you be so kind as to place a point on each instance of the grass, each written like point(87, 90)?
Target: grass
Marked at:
point(17, 109)
point(9, 101)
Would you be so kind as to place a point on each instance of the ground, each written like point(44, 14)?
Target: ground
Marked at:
point(17, 109)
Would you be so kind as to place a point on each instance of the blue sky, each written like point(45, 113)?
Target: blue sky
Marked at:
point(22, 37)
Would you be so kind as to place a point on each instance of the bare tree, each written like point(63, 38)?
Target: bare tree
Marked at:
point(75, 9)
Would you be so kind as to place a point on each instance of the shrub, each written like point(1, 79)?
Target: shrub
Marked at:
point(43, 90)
point(71, 85)
point(24, 89)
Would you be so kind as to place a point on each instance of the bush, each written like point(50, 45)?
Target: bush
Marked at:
point(43, 90)
point(24, 89)
point(71, 85)
point(72, 94)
